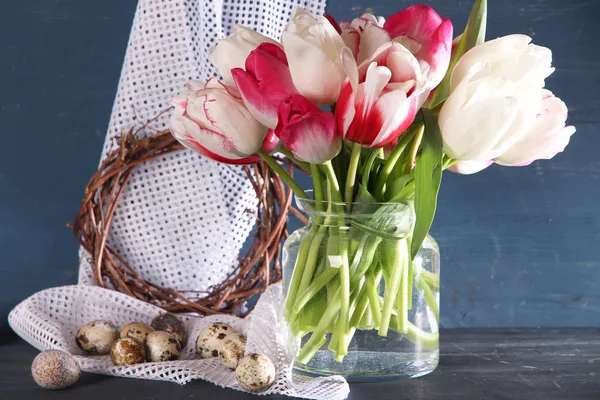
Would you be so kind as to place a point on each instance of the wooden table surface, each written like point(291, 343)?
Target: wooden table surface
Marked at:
point(481, 364)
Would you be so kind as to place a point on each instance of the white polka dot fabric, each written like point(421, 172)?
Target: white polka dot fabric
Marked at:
point(50, 320)
point(182, 219)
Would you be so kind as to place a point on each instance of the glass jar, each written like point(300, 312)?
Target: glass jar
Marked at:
point(356, 301)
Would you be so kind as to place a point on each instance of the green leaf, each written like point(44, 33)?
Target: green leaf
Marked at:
point(401, 188)
point(428, 177)
point(391, 221)
point(473, 35)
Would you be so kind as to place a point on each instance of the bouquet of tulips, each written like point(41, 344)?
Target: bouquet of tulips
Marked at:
point(374, 109)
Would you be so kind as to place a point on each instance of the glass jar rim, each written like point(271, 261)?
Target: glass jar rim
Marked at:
point(313, 207)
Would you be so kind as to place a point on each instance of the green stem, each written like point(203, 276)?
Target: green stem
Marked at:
point(391, 287)
point(426, 340)
point(369, 166)
point(314, 288)
point(372, 283)
point(283, 174)
point(390, 163)
point(311, 260)
point(302, 164)
point(343, 325)
point(371, 244)
point(334, 185)
point(352, 168)
point(315, 340)
point(402, 300)
point(414, 148)
point(432, 279)
point(429, 298)
point(409, 284)
point(297, 274)
point(317, 191)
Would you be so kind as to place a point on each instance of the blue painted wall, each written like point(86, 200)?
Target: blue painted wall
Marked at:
point(520, 247)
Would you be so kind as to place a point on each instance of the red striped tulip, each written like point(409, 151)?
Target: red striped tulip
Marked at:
point(364, 35)
point(212, 122)
point(381, 96)
point(420, 29)
point(232, 51)
point(265, 83)
point(307, 131)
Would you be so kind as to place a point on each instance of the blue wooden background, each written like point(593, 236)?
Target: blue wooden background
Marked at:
point(520, 246)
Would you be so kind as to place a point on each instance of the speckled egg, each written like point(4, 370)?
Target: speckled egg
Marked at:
point(97, 337)
point(231, 351)
point(162, 346)
point(211, 338)
point(127, 351)
point(55, 369)
point(255, 373)
point(136, 330)
point(172, 324)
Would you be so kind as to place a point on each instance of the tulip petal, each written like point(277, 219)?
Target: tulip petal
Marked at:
point(470, 167)
point(313, 139)
point(547, 137)
point(398, 112)
point(259, 107)
point(418, 21)
point(193, 144)
point(314, 74)
point(472, 133)
point(351, 38)
point(228, 115)
point(344, 109)
point(371, 39)
point(366, 125)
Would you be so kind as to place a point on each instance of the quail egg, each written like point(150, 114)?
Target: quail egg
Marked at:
point(170, 323)
point(255, 373)
point(211, 338)
point(97, 337)
point(127, 351)
point(55, 369)
point(162, 346)
point(231, 351)
point(136, 330)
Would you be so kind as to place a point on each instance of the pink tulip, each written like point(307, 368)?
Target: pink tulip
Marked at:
point(307, 131)
point(421, 30)
point(381, 97)
point(265, 83)
point(212, 122)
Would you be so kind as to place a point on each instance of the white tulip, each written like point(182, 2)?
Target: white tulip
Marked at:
point(232, 51)
point(313, 48)
point(512, 57)
point(498, 110)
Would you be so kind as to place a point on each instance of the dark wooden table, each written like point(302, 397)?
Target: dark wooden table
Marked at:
point(484, 364)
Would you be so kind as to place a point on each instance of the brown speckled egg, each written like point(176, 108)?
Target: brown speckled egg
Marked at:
point(162, 346)
point(231, 351)
point(255, 373)
point(97, 337)
point(55, 369)
point(136, 330)
point(210, 339)
point(172, 324)
point(127, 351)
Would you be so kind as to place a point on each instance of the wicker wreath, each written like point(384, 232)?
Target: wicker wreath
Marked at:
point(258, 268)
